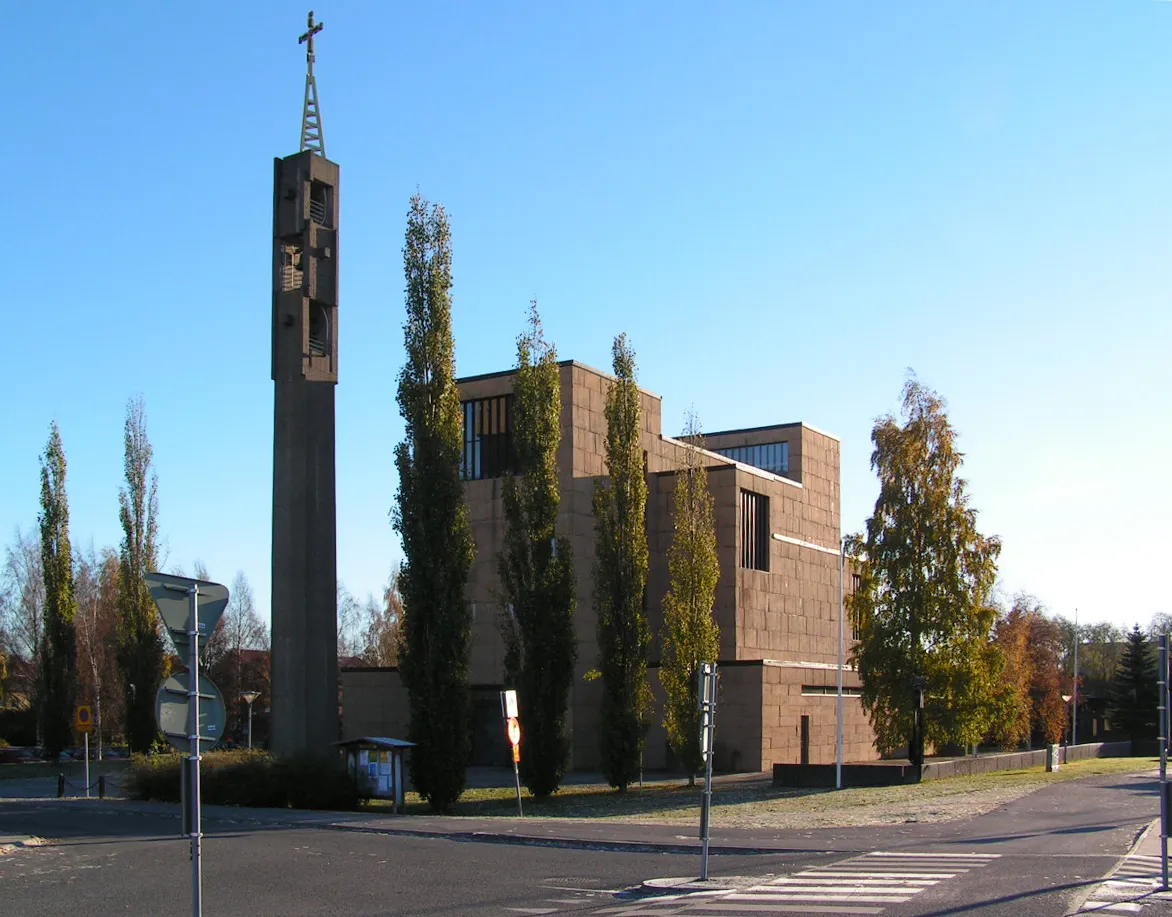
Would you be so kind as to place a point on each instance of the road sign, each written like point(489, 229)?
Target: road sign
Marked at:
point(171, 712)
point(83, 720)
point(514, 731)
point(509, 704)
point(172, 595)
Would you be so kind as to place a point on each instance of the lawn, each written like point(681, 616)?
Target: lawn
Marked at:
point(757, 804)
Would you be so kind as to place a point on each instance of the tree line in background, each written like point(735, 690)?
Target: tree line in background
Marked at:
point(80, 627)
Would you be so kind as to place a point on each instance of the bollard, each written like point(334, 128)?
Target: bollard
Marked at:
point(101, 786)
point(60, 786)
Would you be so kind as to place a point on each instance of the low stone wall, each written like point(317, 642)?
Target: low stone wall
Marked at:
point(823, 775)
point(1097, 750)
point(891, 774)
point(986, 764)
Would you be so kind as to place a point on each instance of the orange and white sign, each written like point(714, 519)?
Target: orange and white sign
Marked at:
point(514, 731)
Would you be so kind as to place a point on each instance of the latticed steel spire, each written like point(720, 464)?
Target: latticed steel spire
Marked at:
point(312, 137)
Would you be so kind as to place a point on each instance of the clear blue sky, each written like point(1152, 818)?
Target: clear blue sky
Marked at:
point(785, 205)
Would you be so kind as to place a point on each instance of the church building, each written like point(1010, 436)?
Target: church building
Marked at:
point(776, 491)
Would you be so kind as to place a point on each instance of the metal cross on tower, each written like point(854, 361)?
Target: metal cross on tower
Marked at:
point(311, 132)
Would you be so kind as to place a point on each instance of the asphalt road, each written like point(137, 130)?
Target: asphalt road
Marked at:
point(1041, 855)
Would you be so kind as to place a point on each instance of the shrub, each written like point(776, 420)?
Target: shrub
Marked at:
point(248, 778)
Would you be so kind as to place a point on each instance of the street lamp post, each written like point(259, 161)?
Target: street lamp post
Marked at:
point(1074, 693)
point(841, 555)
point(249, 697)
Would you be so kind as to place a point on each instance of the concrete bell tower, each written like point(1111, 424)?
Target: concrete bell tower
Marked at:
point(305, 371)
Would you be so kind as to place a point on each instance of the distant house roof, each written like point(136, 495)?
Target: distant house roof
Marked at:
point(375, 742)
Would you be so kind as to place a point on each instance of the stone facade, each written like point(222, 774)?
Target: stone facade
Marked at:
point(779, 625)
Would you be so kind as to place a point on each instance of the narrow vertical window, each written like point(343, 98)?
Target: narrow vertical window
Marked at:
point(754, 531)
point(488, 438)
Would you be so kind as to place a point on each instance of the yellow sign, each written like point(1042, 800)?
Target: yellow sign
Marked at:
point(516, 754)
point(84, 719)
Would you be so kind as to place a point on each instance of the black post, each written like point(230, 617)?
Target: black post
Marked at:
point(101, 786)
point(60, 786)
point(916, 743)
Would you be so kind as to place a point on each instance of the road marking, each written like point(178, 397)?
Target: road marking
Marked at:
point(863, 886)
point(1134, 885)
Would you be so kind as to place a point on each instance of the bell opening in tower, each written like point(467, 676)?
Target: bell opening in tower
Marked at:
point(319, 330)
point(319, 203)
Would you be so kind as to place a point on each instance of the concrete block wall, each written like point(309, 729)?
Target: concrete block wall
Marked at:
point(374, 703)
point(783, 704)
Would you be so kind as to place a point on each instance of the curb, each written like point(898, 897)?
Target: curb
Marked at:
point(564, 843)
point(1153, 825)
point(23, 843)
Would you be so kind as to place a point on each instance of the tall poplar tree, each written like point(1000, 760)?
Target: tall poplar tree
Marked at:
point(140, 651)
point(690, 633)
point(536, 567)
point(926, 572)
point(59, 656)
point(620, 579)
point(432, 519)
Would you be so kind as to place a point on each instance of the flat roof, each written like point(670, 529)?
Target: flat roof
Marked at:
point(501, 373)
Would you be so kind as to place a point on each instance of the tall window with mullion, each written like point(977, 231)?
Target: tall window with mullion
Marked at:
point(754, 531)
point(488, 438)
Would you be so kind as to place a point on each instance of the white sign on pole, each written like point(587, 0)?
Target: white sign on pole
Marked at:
point(509, 704)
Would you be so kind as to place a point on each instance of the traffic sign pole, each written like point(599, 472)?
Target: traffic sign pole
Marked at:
point(706, 691)
point(87, 765)
point(513, 730)
point(193, 733)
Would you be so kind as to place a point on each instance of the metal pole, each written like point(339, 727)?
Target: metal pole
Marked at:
point(841, 628)
point(517, 778)
point(1074, 693)
point(710, 747)
point(250, 725)
point(87, 765)
point(193, 736)
point(1164, 723)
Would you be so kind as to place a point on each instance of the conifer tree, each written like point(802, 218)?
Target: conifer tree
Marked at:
point(432, 519)
point(140, 651)
point(59, 657)
point(620, 580)
point(690, 633)
point(923, 609)
point(537, 568)
point(1134, 689)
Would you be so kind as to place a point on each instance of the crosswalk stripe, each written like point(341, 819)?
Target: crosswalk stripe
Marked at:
point(782, 909)
point(874, 880)
point(847, 874)
point(799, 896)
point(941, 856)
